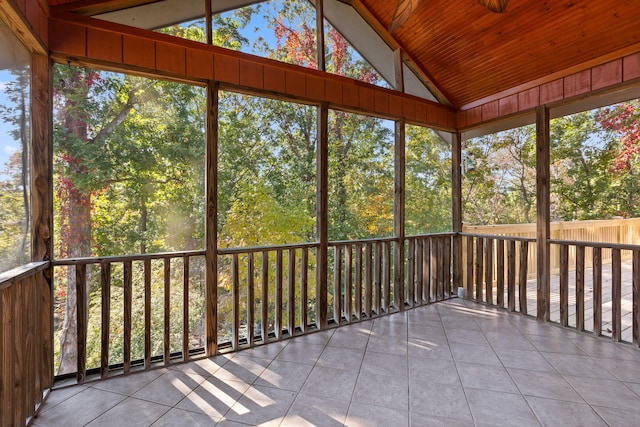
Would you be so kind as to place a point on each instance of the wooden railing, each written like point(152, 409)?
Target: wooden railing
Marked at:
point(500, 262)
point(612, 307)
point(264, 294)
point(25, 342)
point(594, 289)
point(619, 231)
point(114, 277)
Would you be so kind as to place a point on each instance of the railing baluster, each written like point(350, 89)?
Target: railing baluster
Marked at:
point(368, 283)
point(386, 247)
point(278, 308)
point(81, 312)
point(264, 318)
point(185, 308)
point(167, 311)
point(128, 305)
point(441, 267)
point(291, 293)
point(411, 272)
point(580, 288)
point(235, 296)
point(251, 299)
point(348, 283)
point(447, 266)
point(500, 272)
point(524, 255)
point(434, 267)
point(597, 291)
point(147, 313)
point(469, 269)
point(337, 285)
point(105, 290)
point(479, 270)
point(564, 285)
point(616, 295)
point(419, 272)
point(378, 278)
point(426, 270)
point(636, 298)
point(358, 282)
point(304, 284)
point(488, 270)
point(511, 275)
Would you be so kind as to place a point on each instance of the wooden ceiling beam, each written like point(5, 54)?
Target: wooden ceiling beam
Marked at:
point(96, 7)
point(422, 74)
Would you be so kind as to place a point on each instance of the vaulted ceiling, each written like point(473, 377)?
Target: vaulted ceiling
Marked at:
point(470, 54)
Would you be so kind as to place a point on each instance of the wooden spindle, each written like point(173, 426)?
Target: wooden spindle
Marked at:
point(185, 308)
point(128, 307)
point(580, 288)
point(81, 313)
point(377, 278)
point(368, 282)
point(264, 300)
point(564, 285)
point(251, 299)
point(524, 255)
point(304, 285)
point(386, 279)
point(147, 313)
point(278, 302)
point(105, 291)
point(337, 285)
point(636, 299)
point(616, 295)
point(511, 275)
point(348, 282)
point(479, 268)
point(597, 291)
point(500, 272)
point(167, 311)
point(411, 249)
point(291, 293)
point(469, 269)
point(426, 271)
point(358, 282)
point(235, 296)
point(488, 270)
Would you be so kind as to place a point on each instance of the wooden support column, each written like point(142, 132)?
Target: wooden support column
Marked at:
point(320, 34)
point(211, 222)
point(456, 208)
point(543, 220)
point(208, 16)
point(42, 201)
point(399, 70)
point(399, 214)
point(322, 215)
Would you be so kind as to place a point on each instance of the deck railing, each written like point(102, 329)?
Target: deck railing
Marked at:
point(25, 342)
point(135, 312)
point(596, 287)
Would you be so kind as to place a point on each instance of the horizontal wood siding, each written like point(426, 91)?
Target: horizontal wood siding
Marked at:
point(99, 43)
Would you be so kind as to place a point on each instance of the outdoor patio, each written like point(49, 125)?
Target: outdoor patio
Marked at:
point(450, 363)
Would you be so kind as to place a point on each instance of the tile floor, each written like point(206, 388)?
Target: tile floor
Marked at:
point(454, 363)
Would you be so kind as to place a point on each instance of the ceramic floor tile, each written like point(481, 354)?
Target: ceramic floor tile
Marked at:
point(510, 339)
point(466, 336)
point(308, 410)
point(500, 409)
point(169, 388)
point(442, 400)
point(341, 358)
point(350, 337)
point(128, 384)
point(385, 364)
point(204, 367)
point(316, 337)
point(261, 406)
point(433, 333)
point(562, 413)
point(382, 390)
point(623, 370)
point(438, 371)
point(523, 359)
point(133, 412)
point(385, 327)
point(284, 375)
point(549, 385)
point(301, 352)
point(268, 351)
point(330, 382)
point(618, 417)
point(60, 395)
point(181, 418)
point(421, 420)
point(574, 364)
point(80, 409)
point(553, 344)
point(426, 349)
point(213, 397)
point(388, 344)
point(596, 347)
point(362, 415)
point(486, 377)
point(479, 354)
point(242, 368)
point(601, 392)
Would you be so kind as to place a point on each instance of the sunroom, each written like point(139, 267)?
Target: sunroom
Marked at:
point(329, 212)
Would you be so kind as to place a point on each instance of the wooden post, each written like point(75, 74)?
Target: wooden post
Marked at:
point(42, 198)
point(208, 16)
point(322, 215)
point(320, 34)
point(398, 215)
point(456, 209)
point(543, 213)
point(399, 70)
point(211, 223)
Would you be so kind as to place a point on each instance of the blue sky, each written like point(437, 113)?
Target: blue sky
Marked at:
point(7, 144)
